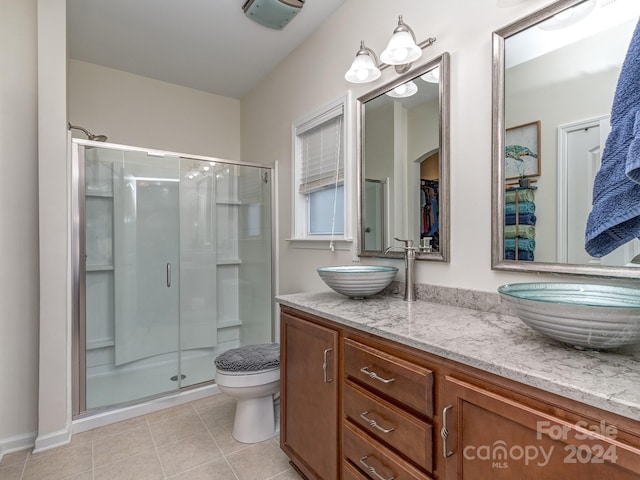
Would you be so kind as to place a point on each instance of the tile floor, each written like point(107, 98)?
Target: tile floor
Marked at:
point(191, 441)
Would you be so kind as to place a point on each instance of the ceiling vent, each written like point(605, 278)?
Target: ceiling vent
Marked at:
point(274, 14)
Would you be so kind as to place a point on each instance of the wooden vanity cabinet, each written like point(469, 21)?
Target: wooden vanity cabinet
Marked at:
point(359, 407)
point(494, 434)
point(309, 419)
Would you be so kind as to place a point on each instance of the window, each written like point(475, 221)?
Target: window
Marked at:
point(319, 174)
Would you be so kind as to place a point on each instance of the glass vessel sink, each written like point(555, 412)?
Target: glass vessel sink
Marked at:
point(586, 316)
point(358, 281)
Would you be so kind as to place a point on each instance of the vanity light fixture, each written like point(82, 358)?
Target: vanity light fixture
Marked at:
point(404, 90)
point(401, 51)
point(364, 68)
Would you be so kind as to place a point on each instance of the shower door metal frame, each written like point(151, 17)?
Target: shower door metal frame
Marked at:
point(78, 261)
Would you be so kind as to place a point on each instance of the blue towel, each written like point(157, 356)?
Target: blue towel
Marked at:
point(615, 215)
point(524, 219)
point(528, 244)
point(523, 207)
point(522, 255)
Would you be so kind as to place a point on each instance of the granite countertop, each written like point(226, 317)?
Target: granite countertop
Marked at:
point(490, 341)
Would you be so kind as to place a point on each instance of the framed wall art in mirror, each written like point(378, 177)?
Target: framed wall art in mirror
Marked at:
point(403, 167)
point(558, 69)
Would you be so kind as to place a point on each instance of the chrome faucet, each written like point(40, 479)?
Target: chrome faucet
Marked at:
point(409, 268)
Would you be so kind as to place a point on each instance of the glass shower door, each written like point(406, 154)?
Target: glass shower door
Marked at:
point(132, 275)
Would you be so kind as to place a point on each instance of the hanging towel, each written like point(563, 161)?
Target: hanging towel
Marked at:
point(522, 255)
point(523, 207)
point(523, 194)
point(522, 231)
point(615, 215)
point(528, 244)
point(524, 219)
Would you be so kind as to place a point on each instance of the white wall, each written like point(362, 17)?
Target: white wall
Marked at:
point(314, 73)
point(18, 224)
point(140, 111)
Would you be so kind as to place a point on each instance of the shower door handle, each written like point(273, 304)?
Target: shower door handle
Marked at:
point(168, 275)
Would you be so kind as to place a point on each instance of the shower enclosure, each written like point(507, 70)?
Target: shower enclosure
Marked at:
point(172, 267)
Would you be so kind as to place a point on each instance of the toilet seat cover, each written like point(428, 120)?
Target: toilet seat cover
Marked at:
point(250, 358)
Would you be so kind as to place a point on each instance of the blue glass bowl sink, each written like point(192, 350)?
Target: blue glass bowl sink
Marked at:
point(597, 317)
point(358, 281)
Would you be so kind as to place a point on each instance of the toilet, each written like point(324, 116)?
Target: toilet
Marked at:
point(251, 374)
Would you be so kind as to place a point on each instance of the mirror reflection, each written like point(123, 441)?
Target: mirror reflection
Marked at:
point(555, 75)
point(404, 164)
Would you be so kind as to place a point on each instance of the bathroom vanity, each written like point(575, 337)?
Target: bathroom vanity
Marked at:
point(381, 388)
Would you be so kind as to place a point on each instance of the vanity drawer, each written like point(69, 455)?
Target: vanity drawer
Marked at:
point(365, 453)
point(390, 376)
point(349, 472)
point(394, 427)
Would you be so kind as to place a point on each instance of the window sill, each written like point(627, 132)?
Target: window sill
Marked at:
point(320, 243)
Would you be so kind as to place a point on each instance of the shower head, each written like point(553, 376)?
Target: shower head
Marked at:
point(90, 136)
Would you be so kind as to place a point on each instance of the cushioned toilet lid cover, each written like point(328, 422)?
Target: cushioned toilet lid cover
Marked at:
point(250, 358)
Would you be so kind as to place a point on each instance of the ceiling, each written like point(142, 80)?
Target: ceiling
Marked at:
point(208, 45)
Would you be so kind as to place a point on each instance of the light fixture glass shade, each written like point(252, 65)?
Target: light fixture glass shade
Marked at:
point(363, 69)
point(405, 90)
point(432, 76)
point(402, 49)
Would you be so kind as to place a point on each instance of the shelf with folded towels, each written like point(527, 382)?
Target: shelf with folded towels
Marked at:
point(520, 223)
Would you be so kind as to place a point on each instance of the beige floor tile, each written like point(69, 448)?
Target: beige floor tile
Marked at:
point(167, 413)
point(15, 457)
point(188, 453)
point(225, 440)
point(212, 400)
point(216, 416)
point(290, 474)
point(144, 466)
point(177, 428)
point(81, 476)
point(11, 472)
point(259, 461)
point(59, 463)
point(216, 470)
point(119, 427)
point(108, 449)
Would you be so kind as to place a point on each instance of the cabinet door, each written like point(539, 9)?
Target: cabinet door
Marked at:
point(491, 436)
point(309, 387)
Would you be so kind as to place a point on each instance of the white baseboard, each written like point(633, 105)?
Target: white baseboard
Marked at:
point(117, 415)
point(52, 440)
point(14, 444)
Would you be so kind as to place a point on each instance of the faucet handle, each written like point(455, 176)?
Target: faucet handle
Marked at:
point(407, 243)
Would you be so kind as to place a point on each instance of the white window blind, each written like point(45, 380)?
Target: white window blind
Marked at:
point(322, 153)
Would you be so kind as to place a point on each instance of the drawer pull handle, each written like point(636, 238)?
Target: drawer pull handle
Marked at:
point(325, 366)
point(372, 470)
point(374, 424)
point(444, 433)
point(375, 376)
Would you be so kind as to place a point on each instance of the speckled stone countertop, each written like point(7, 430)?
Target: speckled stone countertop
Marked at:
point(491, 341)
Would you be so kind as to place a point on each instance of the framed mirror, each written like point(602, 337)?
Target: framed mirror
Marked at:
point(403, 168)
point(554, 77)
